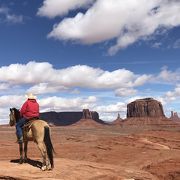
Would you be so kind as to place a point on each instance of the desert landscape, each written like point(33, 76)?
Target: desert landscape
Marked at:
point(137, 148)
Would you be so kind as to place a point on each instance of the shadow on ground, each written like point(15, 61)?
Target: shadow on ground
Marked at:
point(8, 178)
point(34, 163)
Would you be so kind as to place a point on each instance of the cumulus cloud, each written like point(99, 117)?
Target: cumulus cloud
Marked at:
point(66, 104)
point(4, 86)
point(11, 101)
point(173, 95)
point(53, 8)
point(43, 88)
point(125, 92)
point(7, 16)
point(168, 76)
point(110, 111)
point(46, 79)
point(126, 22)
point(30, 73)
point(117, 107)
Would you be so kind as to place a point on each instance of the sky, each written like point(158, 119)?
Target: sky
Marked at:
point(95, 54)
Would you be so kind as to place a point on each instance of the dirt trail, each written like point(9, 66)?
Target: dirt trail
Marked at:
point(156, 145)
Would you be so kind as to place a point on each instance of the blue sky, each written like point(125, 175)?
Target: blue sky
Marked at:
point(96, 54)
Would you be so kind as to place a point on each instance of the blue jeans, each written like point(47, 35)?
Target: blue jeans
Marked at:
point(19, 125)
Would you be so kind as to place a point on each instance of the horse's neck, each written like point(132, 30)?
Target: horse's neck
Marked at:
point(17, 115)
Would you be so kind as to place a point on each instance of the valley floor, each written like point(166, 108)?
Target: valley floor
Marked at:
point(98, 153)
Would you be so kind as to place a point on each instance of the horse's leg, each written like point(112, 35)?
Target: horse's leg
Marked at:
point(21, 153)
point(25, 151)
point(43, 153)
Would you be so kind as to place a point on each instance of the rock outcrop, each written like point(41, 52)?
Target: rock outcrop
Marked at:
point(68, 118)
point(147, 107)
point(174, 116)
point(147, 111)
point(90, 114)
point(118, 120)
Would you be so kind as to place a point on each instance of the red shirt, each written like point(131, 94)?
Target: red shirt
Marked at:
point(30, 109)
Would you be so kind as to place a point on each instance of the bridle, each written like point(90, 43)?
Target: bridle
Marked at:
point(12, 117)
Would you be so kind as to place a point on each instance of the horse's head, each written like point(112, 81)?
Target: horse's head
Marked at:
point(13, 116)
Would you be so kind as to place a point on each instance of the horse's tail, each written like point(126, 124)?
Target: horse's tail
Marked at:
point(49, 146)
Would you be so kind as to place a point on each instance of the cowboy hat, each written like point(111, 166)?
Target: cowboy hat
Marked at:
point(30, 96)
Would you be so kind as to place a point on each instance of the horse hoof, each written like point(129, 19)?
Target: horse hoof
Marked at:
point(20, 161)
point(49, 168)
point(25, 160)
point(43, 168)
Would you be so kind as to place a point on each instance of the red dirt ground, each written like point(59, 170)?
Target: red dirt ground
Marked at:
point(98, 153)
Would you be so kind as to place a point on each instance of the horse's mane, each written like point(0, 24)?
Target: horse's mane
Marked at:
point(17, 113)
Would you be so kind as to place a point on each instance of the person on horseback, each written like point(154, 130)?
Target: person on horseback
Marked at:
point(29, 111)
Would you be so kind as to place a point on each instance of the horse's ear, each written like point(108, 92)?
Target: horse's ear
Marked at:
point(10, 109)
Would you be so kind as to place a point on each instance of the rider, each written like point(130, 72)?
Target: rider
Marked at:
point(29, 110)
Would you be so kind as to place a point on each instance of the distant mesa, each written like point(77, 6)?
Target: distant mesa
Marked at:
point(90, 114)
point(147, 111)
point(69, 118)
point(147, 107)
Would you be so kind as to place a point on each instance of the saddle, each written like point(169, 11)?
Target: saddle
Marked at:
point(27, 126)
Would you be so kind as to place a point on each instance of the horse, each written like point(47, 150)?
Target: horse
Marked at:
point(39, 132)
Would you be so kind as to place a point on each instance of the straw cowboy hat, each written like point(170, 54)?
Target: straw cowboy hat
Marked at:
point(30, 96)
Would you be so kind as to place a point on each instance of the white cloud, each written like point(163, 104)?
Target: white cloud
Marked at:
point(43, 88)
point(173, 95)
point(11, 100)
point(133, 98)
point(142, 79)
point(53, 8)
point(67, 104)
point(4, 86)
point(124, 21)
point(10, 17)
point(125, 92)
point(168, 76)
point(46, 79)
point(109, 117)
point(109, 112)
point(31, 72)
point(117, 107)
point(75, 91)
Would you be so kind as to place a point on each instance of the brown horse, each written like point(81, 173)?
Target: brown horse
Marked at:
point(39, 132)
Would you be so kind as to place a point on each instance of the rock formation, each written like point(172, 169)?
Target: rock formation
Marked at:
point(68, 118)
point(118, 116)
point(147, 111)
point(174, 116)
point(87, 114)
point(118, 120)
point(147, 107)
